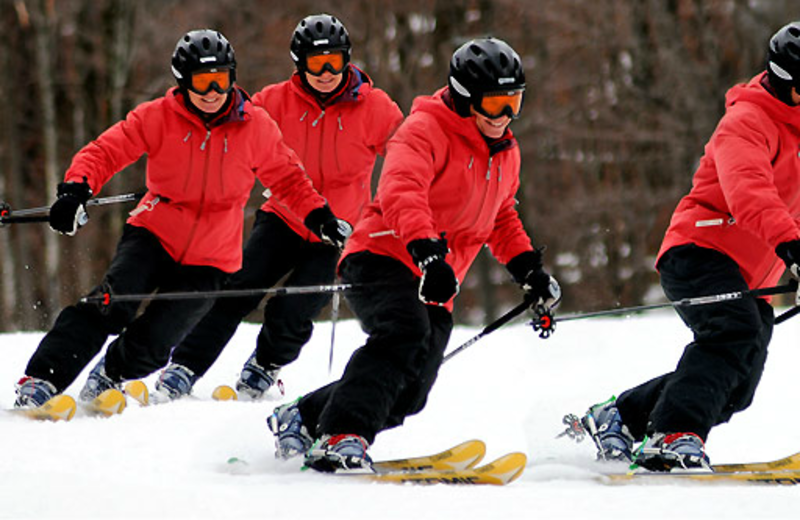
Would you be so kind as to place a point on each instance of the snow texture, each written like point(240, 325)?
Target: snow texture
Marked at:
point(510, 389)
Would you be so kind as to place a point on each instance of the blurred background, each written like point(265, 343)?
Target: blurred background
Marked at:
point(622, 96)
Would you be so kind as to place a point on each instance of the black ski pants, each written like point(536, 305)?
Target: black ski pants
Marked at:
point(719, 371)
point(272, 251)
point(140, 266)
point(390, 377)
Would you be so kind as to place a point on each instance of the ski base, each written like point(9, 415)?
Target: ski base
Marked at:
point(58, 408)
point(111, 402)
point(499, 472)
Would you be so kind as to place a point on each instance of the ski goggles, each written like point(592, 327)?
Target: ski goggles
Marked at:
point(498, 104)
point(332, 61)
point(217, 79)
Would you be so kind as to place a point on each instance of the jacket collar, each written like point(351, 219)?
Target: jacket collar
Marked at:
point(755, 92)
point(358, 83)
point(236, 113)
point(440, 106)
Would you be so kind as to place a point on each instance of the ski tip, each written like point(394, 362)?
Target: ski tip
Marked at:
point(58, 408)
point(108, 403)
point(506, 469)
point(138, 392)
point(224, 393)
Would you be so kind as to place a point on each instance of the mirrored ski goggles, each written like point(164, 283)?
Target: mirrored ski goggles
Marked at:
point(217, 79)
point(332, 61)
point(498, 104)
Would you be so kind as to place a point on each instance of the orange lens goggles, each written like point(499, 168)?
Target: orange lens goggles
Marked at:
point(498, 104)
point(219, 80)
point(333, 62)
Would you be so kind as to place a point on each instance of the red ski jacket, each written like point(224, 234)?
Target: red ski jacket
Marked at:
point(199, 176)
point(745, 198)
point(337, 142)
point(440, 176)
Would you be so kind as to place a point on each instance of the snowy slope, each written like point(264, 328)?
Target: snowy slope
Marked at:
point(510, 389)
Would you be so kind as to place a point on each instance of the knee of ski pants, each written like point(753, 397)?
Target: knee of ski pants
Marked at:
point(114, 317)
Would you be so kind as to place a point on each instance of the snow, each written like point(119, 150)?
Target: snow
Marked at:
point(510, 389)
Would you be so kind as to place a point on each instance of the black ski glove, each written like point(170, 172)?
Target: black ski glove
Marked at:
point(331, 230)
point(68, 212)
point(439, 283)
point(528, 272)
point(789, 252)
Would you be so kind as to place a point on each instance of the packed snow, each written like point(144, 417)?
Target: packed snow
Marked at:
point(510, 389)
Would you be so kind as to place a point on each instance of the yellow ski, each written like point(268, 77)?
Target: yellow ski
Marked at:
point(59, 408)
point(500, 472)
point(463, 456)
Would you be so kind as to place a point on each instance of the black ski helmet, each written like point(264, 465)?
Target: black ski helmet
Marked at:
point(201, 49)
point(783, 61)
point(316, 33)
point(480, 66)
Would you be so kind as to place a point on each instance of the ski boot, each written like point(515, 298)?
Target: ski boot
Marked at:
point(175, 381)
point(33, 392)
point(98, 382)
point(675, 451)
point(291, 436)
point(609, 433)
point(255, 380)
point(333, 453)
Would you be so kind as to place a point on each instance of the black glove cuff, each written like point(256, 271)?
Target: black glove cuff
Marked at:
point(425, 250)
point(524, 263)
point(79, 190)
point(317, 218)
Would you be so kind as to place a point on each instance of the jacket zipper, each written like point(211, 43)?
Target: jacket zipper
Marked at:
point(200, 205)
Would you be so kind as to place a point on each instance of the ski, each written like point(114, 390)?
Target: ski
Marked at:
point(499, 472)
point(462, 456)
point(110, 402)
point(792, 462)
point(773, 477)
point(58, 408)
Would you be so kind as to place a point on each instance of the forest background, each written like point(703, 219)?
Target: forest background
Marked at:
point(622, 96)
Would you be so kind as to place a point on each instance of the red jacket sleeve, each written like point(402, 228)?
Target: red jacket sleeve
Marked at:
point(113, 150)
point(743, 152)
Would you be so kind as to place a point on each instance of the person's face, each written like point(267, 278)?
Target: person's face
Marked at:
point(795, 96)
point(326, 83)
point(210, 102)
point(491, 128)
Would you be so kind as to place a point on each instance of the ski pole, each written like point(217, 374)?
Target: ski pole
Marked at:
point(41, 214)
point(496, 324)
point(685, 302)
point(107, 298)
point(337, 297)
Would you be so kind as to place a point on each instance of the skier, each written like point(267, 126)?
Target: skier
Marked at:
point(446, 190)
point(337, 122)
point(206, 144)
point(729, 233)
